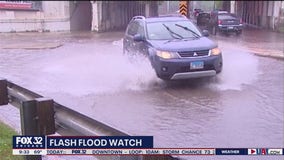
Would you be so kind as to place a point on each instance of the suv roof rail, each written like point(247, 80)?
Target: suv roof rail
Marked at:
point(173, 15)
point(138, 17)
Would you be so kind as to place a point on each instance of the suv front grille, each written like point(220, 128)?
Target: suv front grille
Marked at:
point(188, 54)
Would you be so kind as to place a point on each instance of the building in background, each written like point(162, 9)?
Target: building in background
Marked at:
point(24, 16)
point(258, 14)
point(41, 16)
point(263, 14)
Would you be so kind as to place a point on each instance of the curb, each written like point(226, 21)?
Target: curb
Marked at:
point(275, 56)
point(39, 45)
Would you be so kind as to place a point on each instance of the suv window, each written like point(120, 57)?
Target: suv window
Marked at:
point(132, 28)
point(141, 29)
point(159, 31)
point(135, 27)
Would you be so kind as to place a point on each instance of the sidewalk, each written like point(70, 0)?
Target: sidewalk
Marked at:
point(30, 40)
point(51, 40)
point(265, 43)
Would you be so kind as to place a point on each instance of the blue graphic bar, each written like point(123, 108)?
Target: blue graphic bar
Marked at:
point(231, 151)
point(109, 142)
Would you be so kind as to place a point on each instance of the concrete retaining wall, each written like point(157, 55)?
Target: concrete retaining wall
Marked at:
point(53, 17)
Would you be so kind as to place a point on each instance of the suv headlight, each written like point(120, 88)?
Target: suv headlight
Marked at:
point(215, 51)
point(167, 55)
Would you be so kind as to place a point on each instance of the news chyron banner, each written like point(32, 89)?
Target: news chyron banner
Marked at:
point(117, 145)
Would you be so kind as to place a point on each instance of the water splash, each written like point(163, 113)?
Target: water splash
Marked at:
point(97, 69)
point(239, 68)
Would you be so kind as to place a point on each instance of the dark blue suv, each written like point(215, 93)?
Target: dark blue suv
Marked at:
point(175, 46)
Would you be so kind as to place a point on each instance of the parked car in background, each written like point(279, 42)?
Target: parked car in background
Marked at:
point(175, 46)
point(196, 12)
point(216, 12)
point(203, 19)
point(222, 21)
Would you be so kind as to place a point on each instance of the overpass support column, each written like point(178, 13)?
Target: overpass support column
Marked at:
point(233, 7)
point(151, 9)
point(96, 15)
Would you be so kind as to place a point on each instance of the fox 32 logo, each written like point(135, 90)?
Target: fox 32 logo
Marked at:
point(28, 142)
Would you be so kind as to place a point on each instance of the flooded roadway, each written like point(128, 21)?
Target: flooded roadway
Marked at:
point(240, 108)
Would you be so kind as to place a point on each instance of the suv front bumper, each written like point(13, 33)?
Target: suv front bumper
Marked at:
point(173, 69)
point(197, 74)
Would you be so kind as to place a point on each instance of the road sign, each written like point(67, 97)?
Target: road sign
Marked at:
point(183, 8)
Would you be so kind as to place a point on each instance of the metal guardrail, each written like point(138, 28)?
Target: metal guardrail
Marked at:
point(42, 116)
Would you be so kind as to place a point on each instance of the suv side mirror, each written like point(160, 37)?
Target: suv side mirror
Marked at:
point(138, 38)
point(205, 33)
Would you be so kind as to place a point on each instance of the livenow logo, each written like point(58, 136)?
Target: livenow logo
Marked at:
point(252, 151)
point(275, 151)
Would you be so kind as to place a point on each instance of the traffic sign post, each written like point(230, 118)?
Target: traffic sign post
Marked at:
point(183, 8)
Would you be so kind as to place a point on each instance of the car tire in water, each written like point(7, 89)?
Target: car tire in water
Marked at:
point(227, 33)
point(239, 32)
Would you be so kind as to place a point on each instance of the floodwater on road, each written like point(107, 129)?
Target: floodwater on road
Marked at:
point(240, 108)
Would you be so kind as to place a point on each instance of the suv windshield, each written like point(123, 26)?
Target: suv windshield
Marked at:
point(158, 31)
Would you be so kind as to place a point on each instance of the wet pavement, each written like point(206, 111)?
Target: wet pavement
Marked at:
point(240, 108)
